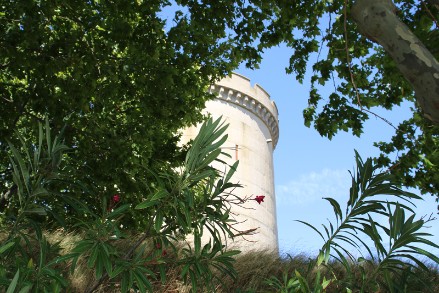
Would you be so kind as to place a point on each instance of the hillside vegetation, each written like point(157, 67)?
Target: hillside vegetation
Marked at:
point(42, 253)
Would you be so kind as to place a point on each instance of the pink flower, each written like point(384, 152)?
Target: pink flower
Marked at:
point(259, 198)
point(116, 198)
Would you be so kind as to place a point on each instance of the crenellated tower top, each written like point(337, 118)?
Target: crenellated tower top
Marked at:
point(238, 91)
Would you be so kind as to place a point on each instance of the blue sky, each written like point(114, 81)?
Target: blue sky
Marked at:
point(308, 166)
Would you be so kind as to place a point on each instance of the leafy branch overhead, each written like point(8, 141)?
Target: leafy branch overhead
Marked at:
point(139, 72)
point(378, 21)
point(127, 75)
point(373, 54)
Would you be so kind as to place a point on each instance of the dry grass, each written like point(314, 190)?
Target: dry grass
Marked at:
point(253, 269)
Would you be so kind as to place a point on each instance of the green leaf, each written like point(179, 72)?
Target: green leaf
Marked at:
point(26, 289)
point(303, 283)
point(37, 154)
point(116, 271)
point(320, 258)
point(200, 176)
point(426, 253)
point(209, 159)
point(143, 283)
point(48, 136)
point(146, 204)
point(13, 284)
point(326, 283)
point(39, 211)
point(120, 210)
point(6, 246)
point(312, 227)
point(107, 263)
point(158, 221)
point(162, 193)
point(94, 256)
point(197, 243)
point(61, 259)
point(232, 171)
point(22, 174)
point(336, 207)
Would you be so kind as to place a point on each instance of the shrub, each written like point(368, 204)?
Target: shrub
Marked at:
point(183, 202)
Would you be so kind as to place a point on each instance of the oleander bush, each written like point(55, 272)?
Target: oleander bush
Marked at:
point(98, 251)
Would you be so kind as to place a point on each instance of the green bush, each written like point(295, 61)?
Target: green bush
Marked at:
point(183, 202)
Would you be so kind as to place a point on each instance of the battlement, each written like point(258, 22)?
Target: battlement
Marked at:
point(238, 91)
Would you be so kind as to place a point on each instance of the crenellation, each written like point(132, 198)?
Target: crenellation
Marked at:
point(220, 92)
point(229, 95)
point(254, 106)
point(252, 103)
point(238, 98)
point(245, 102)
point(261, 91)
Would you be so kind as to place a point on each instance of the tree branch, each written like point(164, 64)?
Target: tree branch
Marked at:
point(377, 20)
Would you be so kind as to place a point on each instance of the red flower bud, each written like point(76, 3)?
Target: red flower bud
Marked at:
point(259, 198)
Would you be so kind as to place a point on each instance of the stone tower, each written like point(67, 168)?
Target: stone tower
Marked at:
point(252, 136)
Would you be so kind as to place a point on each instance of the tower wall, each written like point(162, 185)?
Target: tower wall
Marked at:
point(252, 136)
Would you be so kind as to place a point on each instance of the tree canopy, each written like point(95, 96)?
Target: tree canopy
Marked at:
point(124, 76)
point(110, 72)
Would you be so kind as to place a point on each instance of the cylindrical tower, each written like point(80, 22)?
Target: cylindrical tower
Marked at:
point(252, 136)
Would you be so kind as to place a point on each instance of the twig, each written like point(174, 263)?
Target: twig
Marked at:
point(245, 233)
point(380, 117)
point(348, 59)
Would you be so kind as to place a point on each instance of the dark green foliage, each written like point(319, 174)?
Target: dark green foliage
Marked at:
point(126, 75)
point(25, 250)
point(185, 202)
